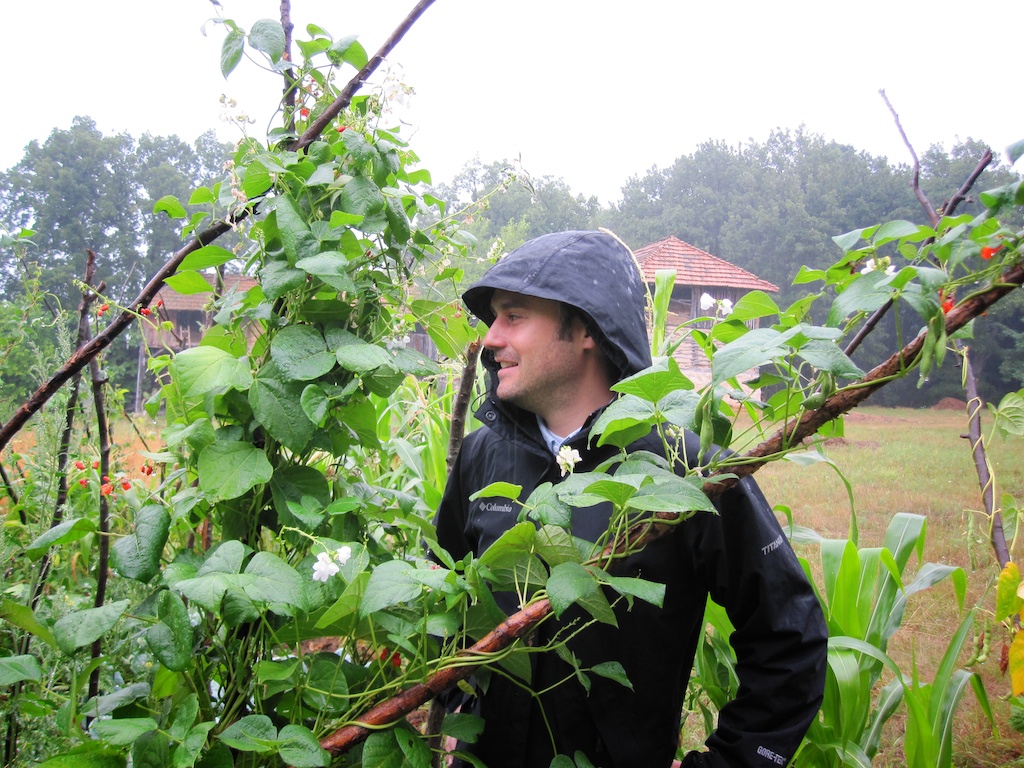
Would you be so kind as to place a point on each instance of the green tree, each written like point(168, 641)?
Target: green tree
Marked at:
point(79, 191)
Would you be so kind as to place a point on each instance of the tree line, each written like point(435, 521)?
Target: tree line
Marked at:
point(769, 207)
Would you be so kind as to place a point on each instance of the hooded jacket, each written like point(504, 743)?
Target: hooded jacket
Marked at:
point(739, 557)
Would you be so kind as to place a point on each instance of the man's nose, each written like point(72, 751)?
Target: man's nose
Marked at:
point(493, 339)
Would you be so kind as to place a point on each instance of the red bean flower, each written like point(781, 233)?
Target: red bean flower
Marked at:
point(304, 112)
point(988, 251)
point(83, 482)
point(126, 485)
point(106, 489)
point(947, 302)
point(79, 465)
point(145, 311)
point(146, 469)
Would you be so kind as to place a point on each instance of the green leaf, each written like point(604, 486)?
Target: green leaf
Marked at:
point(273, 581)
point(397, 220)
point(124, 730)
point(188, 282)
point(231, 51)
point(748, 352)
point(256, 179)
point(613, 671)
point(300, 492)
point(510, 561)
point(267, 36)
point(569, 583)
point(355, 354)
point(24, 618)
point(15, 669)
point(314, 404)
point(170, 639)
point(206, 257)
point(417, 753)
point(301, 352)
point(896, 230)
point(83, 627)
point(1010, 414)
point(292, 227)
point(462, 726)
point(137, 555)
point(1015, 151)
point(278, 278)
point(391, 583)
point(276, 405)
point(326, 687)
point(652, 384)
point(865, 294)
point(331, 267)
point(62, 533)
point(754, 305)
point(300, 749)
point(229, 469)
point(188, 751)
point(253, 733)
point(826, 356)
point(648, 591)
point(362, 197)
point(169, 204)
point(503, 489)
point(200, 370)
point(673, 494)
point(381, 750)
point(85, 760)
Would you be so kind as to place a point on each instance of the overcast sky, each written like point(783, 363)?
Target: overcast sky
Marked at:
point(592, 91)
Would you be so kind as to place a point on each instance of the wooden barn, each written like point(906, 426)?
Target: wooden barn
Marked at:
point(697, 273)
point(188, 314)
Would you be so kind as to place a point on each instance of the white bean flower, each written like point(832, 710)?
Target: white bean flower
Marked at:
point(567, 459)
point(707, 301)
point(726, 306)
point(343, 554)
point(324, 567)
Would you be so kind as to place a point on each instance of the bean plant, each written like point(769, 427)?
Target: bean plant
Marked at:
point(277, 596)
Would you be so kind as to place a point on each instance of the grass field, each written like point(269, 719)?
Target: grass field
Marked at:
point(903, 460)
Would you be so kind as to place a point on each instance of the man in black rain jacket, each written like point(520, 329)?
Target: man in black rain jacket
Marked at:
point(566, 321)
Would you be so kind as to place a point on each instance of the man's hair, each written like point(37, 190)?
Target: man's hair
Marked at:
point(567, 317)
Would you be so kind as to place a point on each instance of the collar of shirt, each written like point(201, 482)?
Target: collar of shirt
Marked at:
point(551, 440)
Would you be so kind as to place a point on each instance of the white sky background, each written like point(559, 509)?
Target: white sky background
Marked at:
point(592, 91)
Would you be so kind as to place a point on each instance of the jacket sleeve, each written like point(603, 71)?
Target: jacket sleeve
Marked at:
point(450, 518)
point(780, 636)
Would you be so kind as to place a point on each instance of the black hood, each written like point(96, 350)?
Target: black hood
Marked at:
point(591, 271)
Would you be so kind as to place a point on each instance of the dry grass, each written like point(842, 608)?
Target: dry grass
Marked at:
point(904, 460)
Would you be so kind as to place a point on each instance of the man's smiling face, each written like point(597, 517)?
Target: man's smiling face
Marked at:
point(540, 361)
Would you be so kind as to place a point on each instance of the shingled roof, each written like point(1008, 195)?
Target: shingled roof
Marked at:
point(696, 267)
point(177, 301)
